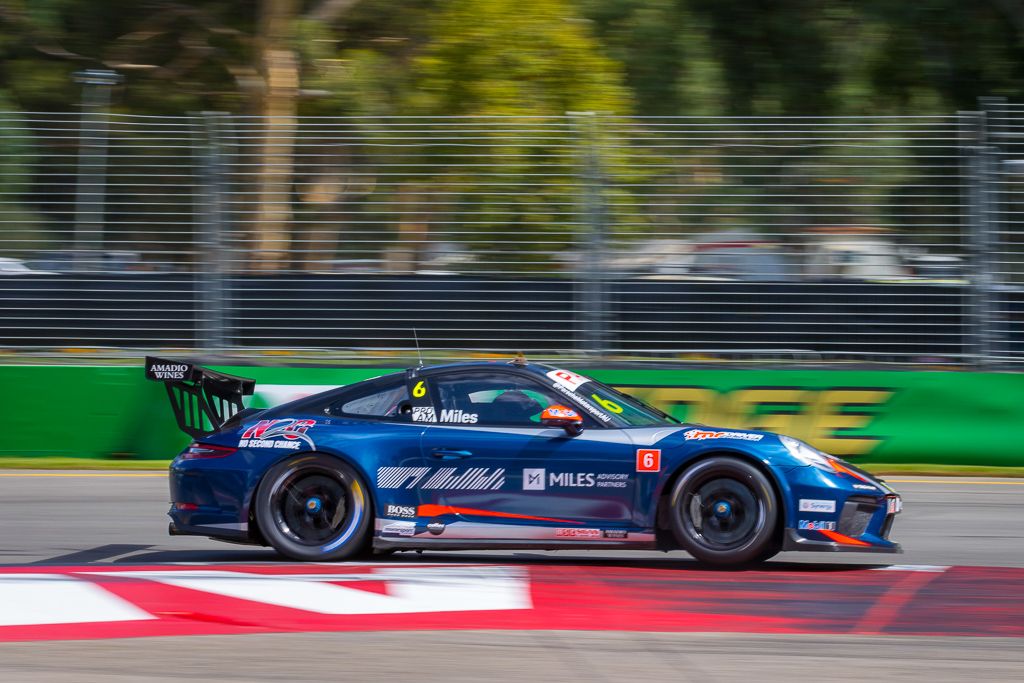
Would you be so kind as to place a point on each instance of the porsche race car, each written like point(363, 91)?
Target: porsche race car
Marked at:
point(501, 455)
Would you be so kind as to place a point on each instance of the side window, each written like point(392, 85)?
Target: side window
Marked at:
point(492, 399)
point(379, 402)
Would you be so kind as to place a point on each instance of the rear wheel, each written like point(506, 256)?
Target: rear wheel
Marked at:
point(724, 512)
point(314, 507)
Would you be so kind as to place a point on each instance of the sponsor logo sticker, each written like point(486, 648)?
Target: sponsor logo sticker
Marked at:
point(574, 480)
point(533, 479)
point(266, 433)
point(400, 511)
point(616, 533)
point(816, 525)
point(539, 479)
point(893, 504)
point(703, 434)
point(399, 529)
point(423, 414)
point(612, 481)
point(587, 405)
point(578, 533)
point(865, 487)
point(459, 417)
point(648, 460)
point(809, 505)
point(436, 528)
point(168, 370)
point(569, 380)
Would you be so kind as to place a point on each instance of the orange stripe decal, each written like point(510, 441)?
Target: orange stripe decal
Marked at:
point(842, 469)
point(845, 540)
point(435, 510)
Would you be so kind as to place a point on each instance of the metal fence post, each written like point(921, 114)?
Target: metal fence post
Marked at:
point(211, 218)
point(90, 193)
point(591, 240)
point(979, 191)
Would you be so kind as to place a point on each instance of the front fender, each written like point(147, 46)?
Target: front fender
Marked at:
point(776, 475)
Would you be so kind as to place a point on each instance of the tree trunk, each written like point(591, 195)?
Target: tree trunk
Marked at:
point(277, 103)
point(403, 255)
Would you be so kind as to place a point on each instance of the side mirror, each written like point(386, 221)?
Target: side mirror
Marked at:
point(561, 416)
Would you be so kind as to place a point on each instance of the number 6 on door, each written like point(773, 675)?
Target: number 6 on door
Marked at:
point(648, 460)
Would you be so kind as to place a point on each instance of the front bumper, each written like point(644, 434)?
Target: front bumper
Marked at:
point(792, 540)
point(840, 513)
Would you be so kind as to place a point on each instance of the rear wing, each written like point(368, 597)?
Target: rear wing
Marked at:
point(203, 400)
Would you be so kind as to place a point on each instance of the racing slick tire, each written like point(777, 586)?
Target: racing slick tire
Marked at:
point(314, 507)
point(724, 512)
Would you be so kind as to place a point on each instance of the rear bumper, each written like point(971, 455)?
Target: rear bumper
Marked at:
point(210, 499)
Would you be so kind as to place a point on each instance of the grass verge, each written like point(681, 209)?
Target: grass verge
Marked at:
point(881, 469)
point(885, 469)
point(80, 464)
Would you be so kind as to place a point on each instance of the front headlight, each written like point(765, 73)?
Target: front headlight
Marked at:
point(807, 454)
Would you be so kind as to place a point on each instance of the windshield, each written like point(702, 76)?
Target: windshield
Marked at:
point(605, 399)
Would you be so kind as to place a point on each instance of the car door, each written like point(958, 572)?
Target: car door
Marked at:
point(497, 473)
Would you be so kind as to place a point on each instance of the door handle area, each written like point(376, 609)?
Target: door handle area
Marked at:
point(450, 454)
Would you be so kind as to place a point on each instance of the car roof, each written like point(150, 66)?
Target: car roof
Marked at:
point(536, 368)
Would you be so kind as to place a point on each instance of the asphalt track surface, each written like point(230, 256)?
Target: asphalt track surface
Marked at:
point(114, 522)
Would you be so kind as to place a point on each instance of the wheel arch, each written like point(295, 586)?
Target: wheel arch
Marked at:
point(256, 534)
point(663, 532)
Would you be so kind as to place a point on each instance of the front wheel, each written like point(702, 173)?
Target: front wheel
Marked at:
point(724, 512)
point(314, 507)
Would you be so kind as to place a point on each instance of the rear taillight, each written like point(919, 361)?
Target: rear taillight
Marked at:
point(197, 450)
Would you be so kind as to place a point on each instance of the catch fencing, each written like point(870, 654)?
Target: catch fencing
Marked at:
point(801, 238)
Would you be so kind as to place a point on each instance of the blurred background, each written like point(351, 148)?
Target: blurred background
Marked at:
point(596, 179)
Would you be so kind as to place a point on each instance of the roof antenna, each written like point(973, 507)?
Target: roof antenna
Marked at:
point(419, 354)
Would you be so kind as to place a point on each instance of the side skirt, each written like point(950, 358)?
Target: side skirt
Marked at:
point(472, 544)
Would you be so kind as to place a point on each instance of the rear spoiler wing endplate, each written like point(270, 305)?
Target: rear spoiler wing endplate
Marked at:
point(203, 400)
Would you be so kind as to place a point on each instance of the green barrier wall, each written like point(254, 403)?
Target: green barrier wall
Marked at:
point(867, 416)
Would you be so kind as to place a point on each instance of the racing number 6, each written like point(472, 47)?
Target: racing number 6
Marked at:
point(420, 390)
point(610, 406)
point(648, 460)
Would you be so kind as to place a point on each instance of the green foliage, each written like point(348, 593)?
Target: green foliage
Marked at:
point(529, 58)
point(19, 224)
point(534, 58)
point(526, 57)
point(649, 57)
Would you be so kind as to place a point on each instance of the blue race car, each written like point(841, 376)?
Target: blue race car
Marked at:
point(501, 455)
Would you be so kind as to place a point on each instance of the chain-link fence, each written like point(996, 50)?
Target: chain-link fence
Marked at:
point(812, 238)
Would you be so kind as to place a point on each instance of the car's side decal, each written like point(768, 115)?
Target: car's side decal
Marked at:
point(441, 478)
point(438, 510)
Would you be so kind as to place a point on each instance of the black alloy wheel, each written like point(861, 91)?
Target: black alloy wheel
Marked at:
point(724, 512)
point(314, 507)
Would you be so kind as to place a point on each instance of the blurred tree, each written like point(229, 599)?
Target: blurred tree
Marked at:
point(19, 222)
point(529, 58)
point(284, 58)
point(501, 191)
point(666, 52)
point(218, 54)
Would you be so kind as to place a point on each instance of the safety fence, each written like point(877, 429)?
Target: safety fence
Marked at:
point(587, 236)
